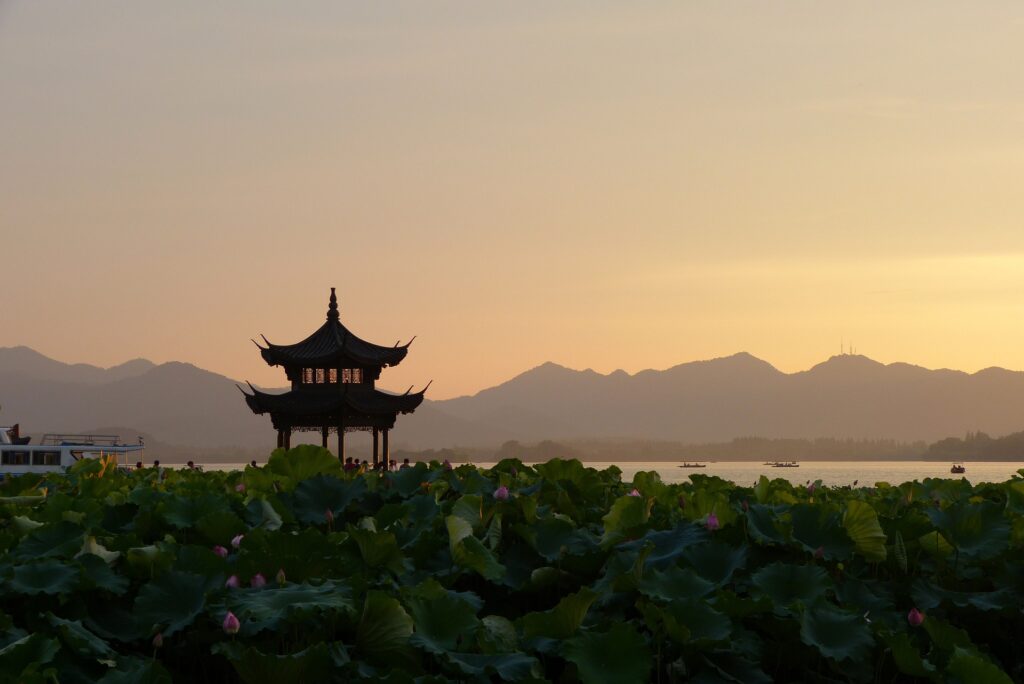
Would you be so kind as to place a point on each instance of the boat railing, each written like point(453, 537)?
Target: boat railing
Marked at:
point(52, 439)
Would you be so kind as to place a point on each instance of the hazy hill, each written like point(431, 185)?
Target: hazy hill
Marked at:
point(846, 397)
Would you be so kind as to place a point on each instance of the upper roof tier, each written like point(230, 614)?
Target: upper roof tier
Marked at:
point(333, 345)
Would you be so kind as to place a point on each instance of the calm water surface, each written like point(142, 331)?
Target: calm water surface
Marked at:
point(829, 472)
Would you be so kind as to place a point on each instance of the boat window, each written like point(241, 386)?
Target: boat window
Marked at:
point(46, 458)
point(14, 458)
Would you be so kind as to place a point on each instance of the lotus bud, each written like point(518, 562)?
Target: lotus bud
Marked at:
point(280, 578)
point(447, 464)
point(501, 493)
point(231, 623)
point(240, 488)
point(158, 640)
point(634, 492)
point(220, 551)
point(712, 522)
point(819, 552)
point(236, 541)
point(329, 516)
point(232, 582)
point(681, 501)
point(915, 617)
point(258, 580)
point(811, 487)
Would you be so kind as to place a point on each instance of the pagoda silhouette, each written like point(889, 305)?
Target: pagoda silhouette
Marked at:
point(333, 374)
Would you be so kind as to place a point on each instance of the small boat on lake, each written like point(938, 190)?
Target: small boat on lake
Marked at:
point(958, 468)
point(785, 464)
point(687, 464)
point(56, 453)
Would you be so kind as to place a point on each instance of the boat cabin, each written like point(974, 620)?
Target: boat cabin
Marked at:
point(56, 453)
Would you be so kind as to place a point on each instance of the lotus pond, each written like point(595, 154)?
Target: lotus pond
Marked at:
point(296, 571)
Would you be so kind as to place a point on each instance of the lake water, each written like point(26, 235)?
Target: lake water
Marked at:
point(829, 472)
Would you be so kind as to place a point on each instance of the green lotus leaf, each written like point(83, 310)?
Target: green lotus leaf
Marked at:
point(674, 584)
point(469, 552)
point(220, 527)
point(304, 554)
point(787, 584)
point(563, 620)
point(136, 671)
point(715, 561)
point(927, 596)
point(261, 513)
point(22, 525)
point(273, 606)
point(735, 668)
point(968, 666)
point(91, 546)
point(384, 631)
point(761, 522)
point(171, 602)
point(44, 577)
point(99, 575)
point(79, 639)
point(627, 516)
point(497, 635)
point(35, 649)
point(861, 524)
point(55, 540)
point(379, 549)
point(301, 463)
point(976, 530)
point(442, 622)
point(817, 526)
point(314, 664)
point(184, 512)
point(618, 655)
point(945, 636)
point(836, 634)
point(701, 621)
point(511, 667)
point(407, 481)
point(471, 509)
point(935, 544)
point(148, 561)
point(667, 546)
point(317, 494)
point(907, 658)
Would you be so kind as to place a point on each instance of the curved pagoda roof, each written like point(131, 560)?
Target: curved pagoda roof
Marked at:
point(331, 345)
point(356, 398)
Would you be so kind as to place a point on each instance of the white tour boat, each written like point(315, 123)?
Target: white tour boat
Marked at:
point(56, 453)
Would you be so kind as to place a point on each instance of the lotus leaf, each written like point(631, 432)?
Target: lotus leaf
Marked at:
point(787, 584)
point(384, 631)
point(171, 602)
point(837, 634)
point(45, 577)
point(563, 620)
point(861, 524)
point(618, 655)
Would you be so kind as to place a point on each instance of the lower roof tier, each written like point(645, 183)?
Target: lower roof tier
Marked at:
point(350, 399)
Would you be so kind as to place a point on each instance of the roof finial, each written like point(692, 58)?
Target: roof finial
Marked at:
point(332, 309)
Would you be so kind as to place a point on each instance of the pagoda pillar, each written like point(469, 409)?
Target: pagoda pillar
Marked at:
point(376, 457)
point(341, 444)
point(323, 432)
point(280, 439)
point(386, 451)
point(287, 439)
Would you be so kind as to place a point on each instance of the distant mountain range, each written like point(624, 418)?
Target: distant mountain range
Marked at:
point(846, 396)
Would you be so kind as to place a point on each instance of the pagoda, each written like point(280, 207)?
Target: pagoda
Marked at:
point(333, 374)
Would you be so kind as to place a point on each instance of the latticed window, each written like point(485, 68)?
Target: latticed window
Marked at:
point(351, 375)
point(321, 376)
point(332, 375)
point(307, 376)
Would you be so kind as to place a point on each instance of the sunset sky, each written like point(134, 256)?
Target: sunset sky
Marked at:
point(604, 185)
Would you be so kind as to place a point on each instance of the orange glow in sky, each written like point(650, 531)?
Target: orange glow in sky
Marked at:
point(605, 185)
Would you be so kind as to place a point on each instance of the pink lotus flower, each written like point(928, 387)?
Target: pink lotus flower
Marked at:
point(501, 493)
point(158, 640)
point(811, 487)
point(232, 582)
point(280, 576)
point(712, 522)
point(634, 492)
point(915, 617)
point(447, 464)
point(231, 623)
point(258, 580)
point(240, 487)
point(236, 541)
point(329, 516)
point(220, 551)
